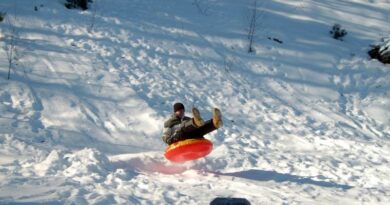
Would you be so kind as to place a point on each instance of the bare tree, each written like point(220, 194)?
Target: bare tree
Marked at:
point(10, 39)
point(252, 26)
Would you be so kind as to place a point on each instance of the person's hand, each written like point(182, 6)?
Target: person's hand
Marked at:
point(175, 137)
point(172, 139)
point(181, 127)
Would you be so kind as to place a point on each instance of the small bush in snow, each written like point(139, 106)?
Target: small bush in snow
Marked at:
point(36, 7)
point(381, 51)
point(337, 32)
point(73, 4)
point(2, 16)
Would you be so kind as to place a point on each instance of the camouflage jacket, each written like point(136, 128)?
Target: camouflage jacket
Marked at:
point(172, 125)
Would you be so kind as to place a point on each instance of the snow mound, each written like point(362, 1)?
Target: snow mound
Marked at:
point(85, 166)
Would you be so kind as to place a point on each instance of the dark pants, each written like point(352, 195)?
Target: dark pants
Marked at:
point(193, 132)
point(190, 131)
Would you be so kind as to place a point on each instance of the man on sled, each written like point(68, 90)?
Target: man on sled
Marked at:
point(180, 127)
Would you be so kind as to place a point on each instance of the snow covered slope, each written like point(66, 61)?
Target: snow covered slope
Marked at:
point(306, 121)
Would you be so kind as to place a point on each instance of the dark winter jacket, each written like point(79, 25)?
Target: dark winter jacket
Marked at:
point(172, 125)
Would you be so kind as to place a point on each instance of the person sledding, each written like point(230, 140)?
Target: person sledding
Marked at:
point(180, 127)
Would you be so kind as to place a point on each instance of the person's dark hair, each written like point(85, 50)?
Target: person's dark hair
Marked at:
point(178, 106)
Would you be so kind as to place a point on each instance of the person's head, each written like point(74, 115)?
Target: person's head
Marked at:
point(178, 109)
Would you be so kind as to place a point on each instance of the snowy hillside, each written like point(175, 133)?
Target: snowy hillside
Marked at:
point(306, 117)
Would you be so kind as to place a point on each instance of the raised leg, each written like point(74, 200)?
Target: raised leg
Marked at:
point(200, 131)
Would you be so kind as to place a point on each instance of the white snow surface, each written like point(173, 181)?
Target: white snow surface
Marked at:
point(306, 121)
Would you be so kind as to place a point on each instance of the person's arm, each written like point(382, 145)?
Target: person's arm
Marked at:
point(167, 134)
point(169, 122)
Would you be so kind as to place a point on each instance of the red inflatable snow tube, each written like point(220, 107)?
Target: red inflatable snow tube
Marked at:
point(189, 149)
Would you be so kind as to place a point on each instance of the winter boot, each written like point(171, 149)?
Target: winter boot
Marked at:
point(217, 118)
point(198, 121)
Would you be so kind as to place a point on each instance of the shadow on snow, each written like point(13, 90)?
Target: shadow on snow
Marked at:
point(262, 175)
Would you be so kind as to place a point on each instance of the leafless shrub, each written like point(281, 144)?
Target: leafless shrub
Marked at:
point(337, 32)
point(201, 6)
